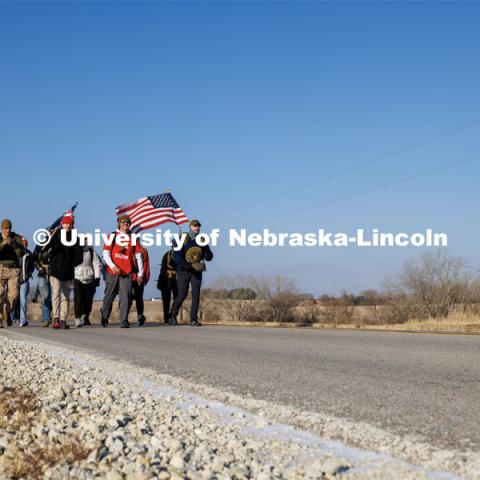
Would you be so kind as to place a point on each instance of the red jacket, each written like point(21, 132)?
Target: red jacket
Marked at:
point(146, 267)
point(122, 256)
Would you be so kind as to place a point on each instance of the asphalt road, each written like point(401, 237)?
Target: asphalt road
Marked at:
point(404, 383)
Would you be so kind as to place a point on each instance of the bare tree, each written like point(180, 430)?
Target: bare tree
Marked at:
point(240, 304)
point(280, 295)
point(434, 282)
point(372, 299)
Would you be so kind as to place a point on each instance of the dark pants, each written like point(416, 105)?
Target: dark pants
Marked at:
point(83, 297)
point(168, 288)
point(45, 296)
point(123, 286)
point(184, 279)
point(138, 293)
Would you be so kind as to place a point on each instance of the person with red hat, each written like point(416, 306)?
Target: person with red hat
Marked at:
point(63, 261)
point(122, 256)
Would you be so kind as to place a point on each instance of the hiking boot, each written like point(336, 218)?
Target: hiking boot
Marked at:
point(125, 325)
point(104, 322)
point(86, 322)
point(196, 323)
point(63, 325)
point(141, 320)
point(56, 324)
point(45, 324)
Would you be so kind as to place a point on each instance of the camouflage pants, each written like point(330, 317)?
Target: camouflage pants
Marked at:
point(9, 289)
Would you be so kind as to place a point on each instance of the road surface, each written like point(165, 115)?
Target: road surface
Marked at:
point(404, 383)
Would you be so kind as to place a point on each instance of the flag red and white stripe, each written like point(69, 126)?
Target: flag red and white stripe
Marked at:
point(149, 212)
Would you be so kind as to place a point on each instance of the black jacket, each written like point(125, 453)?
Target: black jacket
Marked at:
point(179, 255)
point(64, 259)
point(11, 253)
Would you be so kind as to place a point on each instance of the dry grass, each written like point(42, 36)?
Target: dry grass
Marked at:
point(19, 410)
point(358, 317)
point(16, 407)
point(457, 322)
point(33, 463)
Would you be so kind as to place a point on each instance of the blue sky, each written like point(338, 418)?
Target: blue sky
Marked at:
point(229, 103)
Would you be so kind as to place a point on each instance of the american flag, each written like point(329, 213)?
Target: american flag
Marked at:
point(149, 212)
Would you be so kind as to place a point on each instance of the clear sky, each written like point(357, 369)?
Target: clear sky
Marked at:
point(229, 103)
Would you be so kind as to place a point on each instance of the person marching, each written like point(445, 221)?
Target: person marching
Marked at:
point(43, 292)
point(11, 252)
point(26, 270)
point(93, 290)
point(139, 287)
point(120, 261)
point(190, 262)
point(63, 261)
point(87, 279)
point(167, 284)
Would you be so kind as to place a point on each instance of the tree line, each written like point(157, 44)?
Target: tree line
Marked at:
point(432, 285)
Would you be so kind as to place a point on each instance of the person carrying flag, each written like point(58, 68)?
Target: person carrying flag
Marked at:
point(42, 256)
point(120, 255)
point(63, 261)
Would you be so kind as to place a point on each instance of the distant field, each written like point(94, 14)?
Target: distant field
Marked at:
point(455, 323)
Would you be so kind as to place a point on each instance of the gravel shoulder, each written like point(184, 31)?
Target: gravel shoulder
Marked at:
point(137, 423)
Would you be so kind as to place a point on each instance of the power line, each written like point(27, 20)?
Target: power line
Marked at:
point(349, 169)
point(375, 188)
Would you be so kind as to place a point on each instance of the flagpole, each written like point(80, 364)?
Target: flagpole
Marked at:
point(179, 226)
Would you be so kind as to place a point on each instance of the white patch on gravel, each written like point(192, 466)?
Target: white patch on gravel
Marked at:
point(298, 443)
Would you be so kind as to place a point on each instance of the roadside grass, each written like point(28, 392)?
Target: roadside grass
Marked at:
point(16, 408)
point(360, 319)
point(33, 463)
point(456, 322)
